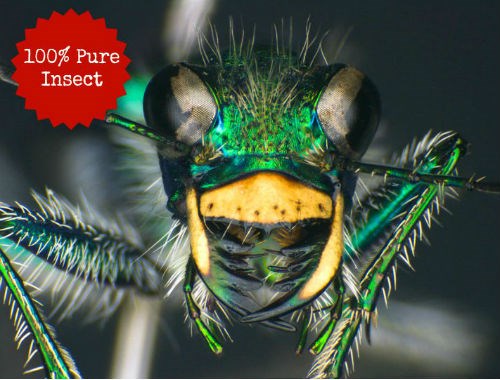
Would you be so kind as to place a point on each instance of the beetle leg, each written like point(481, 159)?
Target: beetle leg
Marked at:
point(90, 252)
point(327, 331)
point(194, 310)
point(29, 323)
point(385, 228)
point(304, 330)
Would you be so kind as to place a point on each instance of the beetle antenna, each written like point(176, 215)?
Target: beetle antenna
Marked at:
point(412, 176)
point(132, 126)
point(139, 129)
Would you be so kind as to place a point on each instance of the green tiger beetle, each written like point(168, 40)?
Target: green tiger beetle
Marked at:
point(260, 153)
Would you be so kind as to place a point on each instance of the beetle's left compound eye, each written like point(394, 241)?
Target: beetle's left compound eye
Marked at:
point(178, 104)
point(349, 110)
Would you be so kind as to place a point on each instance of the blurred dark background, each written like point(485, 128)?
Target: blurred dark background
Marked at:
point(436, 64)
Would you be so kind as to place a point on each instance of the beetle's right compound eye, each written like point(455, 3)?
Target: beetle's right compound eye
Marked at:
point(179, 105)
point(349, 110)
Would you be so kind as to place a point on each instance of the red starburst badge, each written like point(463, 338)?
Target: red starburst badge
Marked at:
point(70, 69)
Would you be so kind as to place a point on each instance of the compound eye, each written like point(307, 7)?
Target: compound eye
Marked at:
point(178, 104)
point(349, 111)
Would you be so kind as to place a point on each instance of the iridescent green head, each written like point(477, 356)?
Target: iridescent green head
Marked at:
point(256, 180)
point(243, 113)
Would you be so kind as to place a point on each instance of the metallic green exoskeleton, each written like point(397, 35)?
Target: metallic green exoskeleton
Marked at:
point(259, 157)
point(263, 203)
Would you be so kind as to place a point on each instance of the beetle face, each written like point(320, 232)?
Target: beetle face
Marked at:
point(264, 205)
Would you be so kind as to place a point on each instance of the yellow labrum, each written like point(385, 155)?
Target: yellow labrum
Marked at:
point(266, 198)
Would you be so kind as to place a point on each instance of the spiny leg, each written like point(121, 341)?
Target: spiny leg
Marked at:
point(28, 321)
point(385, 227)
point(415, 201)
point(335, 313)
point(304, 330)
point(347, 333)
point(82, 244)
point(194, 310)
